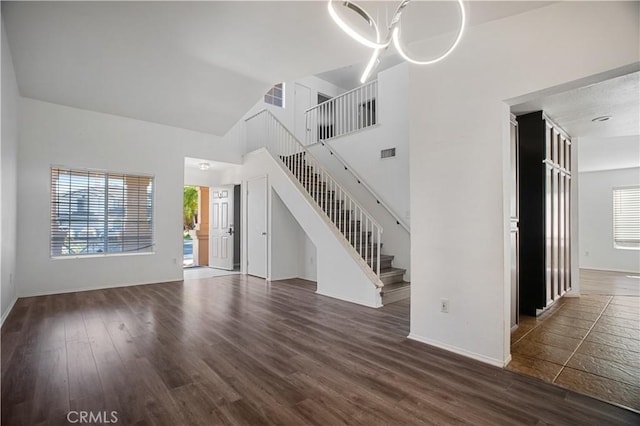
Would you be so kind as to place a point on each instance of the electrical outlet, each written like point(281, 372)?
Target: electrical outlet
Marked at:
point(10, 278)
point(444, 305)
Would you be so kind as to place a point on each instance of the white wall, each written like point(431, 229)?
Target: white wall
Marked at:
point(293, 254)
point(597, 153)
point(388, 177)
point(339, 274)
point(8, 180)
point(56, 135)
point(307, 258)
point(285, 238)
point(196, 177)
point(459, 164)
point(595, 215)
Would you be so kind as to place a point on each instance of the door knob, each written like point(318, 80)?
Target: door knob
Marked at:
point(230, 231)
point(264, 233)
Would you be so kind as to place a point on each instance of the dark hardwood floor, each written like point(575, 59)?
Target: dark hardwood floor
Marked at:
point(236, 350)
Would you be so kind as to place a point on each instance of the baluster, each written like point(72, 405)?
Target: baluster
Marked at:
point(378, 252)
point(370, 96)
point(367, 248)
point(351, 223)
point(360, 231)
point(333, 198)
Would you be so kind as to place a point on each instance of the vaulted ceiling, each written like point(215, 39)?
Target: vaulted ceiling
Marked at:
point(195, 65)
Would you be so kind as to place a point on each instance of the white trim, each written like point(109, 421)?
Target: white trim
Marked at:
point(81, 289)
point(507, 361)
point(8, 311)
point(571, 293)
point(626, 271)
point(356, 301)
point(98, 255)
point(478, 357)
point(245, 209)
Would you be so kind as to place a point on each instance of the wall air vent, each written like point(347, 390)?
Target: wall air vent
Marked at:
point(388, 153)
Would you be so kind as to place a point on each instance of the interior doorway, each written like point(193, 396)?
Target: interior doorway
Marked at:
point(586, 339)
point(223, 227)
point(195, 226)
point(189, 219)
point(257, 237)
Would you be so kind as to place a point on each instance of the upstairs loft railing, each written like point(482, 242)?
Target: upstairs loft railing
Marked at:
point(357, 227)
point(346, 113)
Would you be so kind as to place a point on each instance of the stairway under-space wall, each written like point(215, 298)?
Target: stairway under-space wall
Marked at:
point(351, 226)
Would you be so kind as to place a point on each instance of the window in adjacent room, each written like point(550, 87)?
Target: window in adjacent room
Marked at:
point(95, 212)
point(626, 217)
point(275, 96)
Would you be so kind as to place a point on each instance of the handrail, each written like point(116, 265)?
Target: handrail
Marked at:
point(364, 183)
point(342, 209)
point(346, 113)
point(343, 94)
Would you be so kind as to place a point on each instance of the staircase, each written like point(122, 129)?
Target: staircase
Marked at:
point(349, 221)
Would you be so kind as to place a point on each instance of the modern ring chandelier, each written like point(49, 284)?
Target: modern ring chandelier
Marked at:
point(393, 34)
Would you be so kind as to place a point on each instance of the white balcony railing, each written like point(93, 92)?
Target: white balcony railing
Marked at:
point(347, 113)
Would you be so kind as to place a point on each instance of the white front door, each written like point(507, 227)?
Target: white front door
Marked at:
point(257, 227)
point(302, 102)
point(222, 227)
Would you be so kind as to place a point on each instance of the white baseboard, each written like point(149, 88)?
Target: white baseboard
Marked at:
point(571, 293)
point(77, 290)
point(469, 354)
point(344, 299)
point(623, 271)
point(6, 314)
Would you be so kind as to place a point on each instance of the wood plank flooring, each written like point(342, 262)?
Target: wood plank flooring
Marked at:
point(238, 350)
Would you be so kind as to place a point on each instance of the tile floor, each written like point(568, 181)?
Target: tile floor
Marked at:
point(589, 344)
point(205, 272)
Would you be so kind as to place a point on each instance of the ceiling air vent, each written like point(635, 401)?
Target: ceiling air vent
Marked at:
point(388, 153)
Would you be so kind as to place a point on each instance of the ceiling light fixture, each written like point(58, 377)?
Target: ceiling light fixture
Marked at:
point(204, 165)
point(393, 34)
point(601, 118)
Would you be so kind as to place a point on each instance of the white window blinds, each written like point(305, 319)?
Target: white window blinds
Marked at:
point(95, 212)
point(626, 217)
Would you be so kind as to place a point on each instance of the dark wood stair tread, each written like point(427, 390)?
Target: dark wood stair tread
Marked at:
point(395, 287)
point(383, 257)
point(391, 271)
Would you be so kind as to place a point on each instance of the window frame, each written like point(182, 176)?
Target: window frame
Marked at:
point(616, 244)
point(270, 95)
point(151, 251)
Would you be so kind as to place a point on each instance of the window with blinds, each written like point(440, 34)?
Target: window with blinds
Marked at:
point(626, 217)
point(94, 212)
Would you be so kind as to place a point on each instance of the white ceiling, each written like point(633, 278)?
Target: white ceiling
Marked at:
point(196, 65)
point(573, 110)
point(602, 145)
